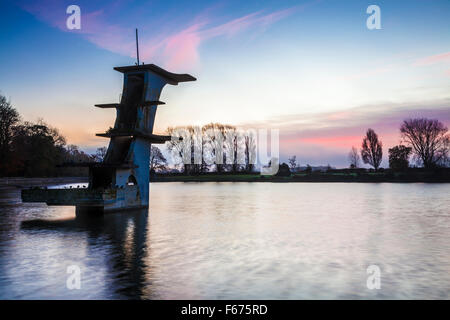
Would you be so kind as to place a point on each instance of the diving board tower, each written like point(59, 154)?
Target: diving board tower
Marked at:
point(127, 162)
point(121, 180)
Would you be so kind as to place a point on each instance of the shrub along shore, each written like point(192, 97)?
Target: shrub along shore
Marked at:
point(441, 175)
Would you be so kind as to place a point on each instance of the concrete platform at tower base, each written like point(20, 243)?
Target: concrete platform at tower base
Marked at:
point(88, 201)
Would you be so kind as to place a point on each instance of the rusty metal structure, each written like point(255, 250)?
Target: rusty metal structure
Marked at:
point(121, 180)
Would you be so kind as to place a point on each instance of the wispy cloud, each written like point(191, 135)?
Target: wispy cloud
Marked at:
point(311, 136)
point(383, 115)
point(175, 48)
point(405, 61)
point(437, 58)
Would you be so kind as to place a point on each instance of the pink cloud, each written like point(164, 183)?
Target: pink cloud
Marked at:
point(334, 141)
point(328, 137)
point(442, 57)
point(235, 26)
point(181, 48)
point(173, 49)
point(430, 60)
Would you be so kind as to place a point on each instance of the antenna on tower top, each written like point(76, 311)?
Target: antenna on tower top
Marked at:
point(137, 47)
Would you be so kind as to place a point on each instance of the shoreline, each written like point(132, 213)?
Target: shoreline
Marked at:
point(309, 178)
point(299, 181)
point(21, 182)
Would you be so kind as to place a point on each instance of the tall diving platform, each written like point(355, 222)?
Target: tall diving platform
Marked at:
point(121, 180)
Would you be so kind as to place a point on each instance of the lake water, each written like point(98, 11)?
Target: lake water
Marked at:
point(235, 241)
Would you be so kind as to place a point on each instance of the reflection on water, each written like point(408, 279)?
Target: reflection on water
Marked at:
point(235, 241)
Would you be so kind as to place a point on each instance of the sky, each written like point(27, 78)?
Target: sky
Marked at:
point(311, 69)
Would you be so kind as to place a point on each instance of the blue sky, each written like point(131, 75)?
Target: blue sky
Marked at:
point(311, 69)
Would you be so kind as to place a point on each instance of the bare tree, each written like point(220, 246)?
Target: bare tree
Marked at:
point(214, 136)
point(353, 158)
point(250, 150)
point(206, 148)
point(428, 139)
point(8, 118)
point(196, 149)
point(217, 145)
point(372, 149)
point(100, 154)
point(292, 163)
point(230, 148)
point(180, 148)
point(157, 159)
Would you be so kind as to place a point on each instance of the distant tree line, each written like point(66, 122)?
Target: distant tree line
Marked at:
point(425, 140)
point(157, 160)
point(214, 147)
point(426, 143)
point(34, 149)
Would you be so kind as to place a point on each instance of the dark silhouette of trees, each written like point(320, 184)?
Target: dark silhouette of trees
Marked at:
point(428, 139)
point(179, 148)
point(292, 163)
point(283, 170)
point(229, 148)
point(399, 157)
point(195, 135)
point(157, 160)
point(189, 151)
point(100, 154)
point(205, 149)
point(8, 118)
point(308, 169)
point(372, 149)
point(72, 154)
point(250, 150)
point(353, 158)
point(36, 150)
point(232, 147)
point(213, 146)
